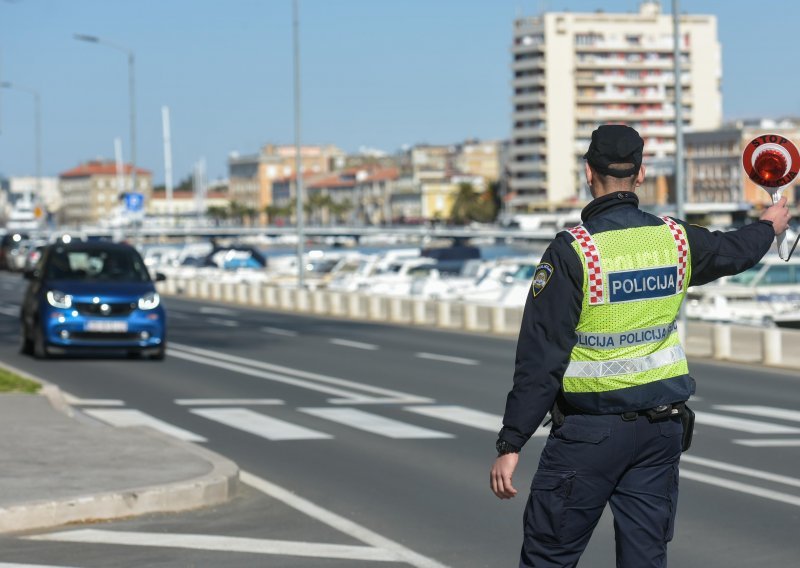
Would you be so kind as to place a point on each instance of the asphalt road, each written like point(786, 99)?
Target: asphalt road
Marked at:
point(303, 402)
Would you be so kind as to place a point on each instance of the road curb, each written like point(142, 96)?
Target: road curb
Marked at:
point(213, 488)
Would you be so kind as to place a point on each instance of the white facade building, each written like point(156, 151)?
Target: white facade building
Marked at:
point(575, 71)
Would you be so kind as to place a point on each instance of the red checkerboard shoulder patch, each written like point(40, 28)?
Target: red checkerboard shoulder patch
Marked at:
point(683, 249)
point(593, 270)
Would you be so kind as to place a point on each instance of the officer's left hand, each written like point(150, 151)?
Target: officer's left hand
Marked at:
point(501, 474)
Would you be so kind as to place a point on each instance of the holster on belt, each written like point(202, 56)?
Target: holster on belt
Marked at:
point(687, 419)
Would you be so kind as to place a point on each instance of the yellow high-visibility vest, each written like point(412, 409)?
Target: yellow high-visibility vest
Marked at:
point(629, 355)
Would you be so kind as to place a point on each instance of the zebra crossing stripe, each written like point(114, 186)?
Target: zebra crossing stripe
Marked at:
point(131, 417)
point(374, 423)
point(763, 411)
point(769, 443)
point(260, 424)
point(468, 417)
point(743, 424)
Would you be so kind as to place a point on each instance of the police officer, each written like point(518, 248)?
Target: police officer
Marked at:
point(599, 348)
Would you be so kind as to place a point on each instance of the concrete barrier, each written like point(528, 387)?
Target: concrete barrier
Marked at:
point(720, 341)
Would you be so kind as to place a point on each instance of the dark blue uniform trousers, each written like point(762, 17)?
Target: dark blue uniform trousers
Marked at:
point(589, 461)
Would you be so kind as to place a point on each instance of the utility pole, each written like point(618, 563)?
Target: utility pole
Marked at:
point(298, 160)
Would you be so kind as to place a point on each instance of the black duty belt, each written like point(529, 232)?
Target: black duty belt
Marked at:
point(658, 413)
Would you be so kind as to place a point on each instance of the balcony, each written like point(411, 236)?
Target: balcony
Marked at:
point(527, 115)
point(529, 98)
point(536, 46)
point(529, 132)
point(622, 63)
point(526, 167)
point(527, 149)
point(522, 185)
point(526, 64)
point(529, 81)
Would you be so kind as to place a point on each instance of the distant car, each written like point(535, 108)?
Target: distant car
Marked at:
point(92, 295)
point(9, 245)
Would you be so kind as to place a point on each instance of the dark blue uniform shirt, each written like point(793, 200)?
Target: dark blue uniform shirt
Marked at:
point(547, 334)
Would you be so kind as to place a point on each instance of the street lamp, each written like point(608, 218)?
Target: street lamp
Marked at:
point(37, 121)
point(131, 93)
point(298, 165)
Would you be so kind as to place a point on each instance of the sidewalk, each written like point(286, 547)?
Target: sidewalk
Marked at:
point(58, 466)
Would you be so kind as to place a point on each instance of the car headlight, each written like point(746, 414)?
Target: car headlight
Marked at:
point(149, 301)
point(59, 299)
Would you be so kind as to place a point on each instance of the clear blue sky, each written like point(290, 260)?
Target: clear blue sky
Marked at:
point(377, 73)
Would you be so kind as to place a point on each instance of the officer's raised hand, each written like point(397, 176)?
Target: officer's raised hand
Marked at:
point(501, 474)
point(779, 215)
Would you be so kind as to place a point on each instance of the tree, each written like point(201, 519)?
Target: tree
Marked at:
point(470, 205)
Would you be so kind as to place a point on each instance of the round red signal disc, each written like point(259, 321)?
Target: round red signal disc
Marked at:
point(772, 143)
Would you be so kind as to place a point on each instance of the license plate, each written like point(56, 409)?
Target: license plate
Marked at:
point(106, 326)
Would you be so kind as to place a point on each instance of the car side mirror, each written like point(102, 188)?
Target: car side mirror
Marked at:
point(160, 277)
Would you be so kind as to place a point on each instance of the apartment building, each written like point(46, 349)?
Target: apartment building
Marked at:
point(575, 71)
point(91, 192)
point(252, 176)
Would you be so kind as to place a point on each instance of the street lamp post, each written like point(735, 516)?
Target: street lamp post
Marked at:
point(301, 268)
point(37, 121)
point(131, 93)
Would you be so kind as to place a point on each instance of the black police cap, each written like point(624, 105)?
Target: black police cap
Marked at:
point(615, 144)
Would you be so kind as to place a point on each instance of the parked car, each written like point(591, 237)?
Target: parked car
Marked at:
point(92, 295)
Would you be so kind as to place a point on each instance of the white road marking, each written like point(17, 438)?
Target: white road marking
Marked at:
point(178, 315)
point(223, 544)
point(217, 311)
point(348, 392)
point(75, 401)
point(223, 322)
point(784, 498)
point(132, 417)
point(15, 565)
point(468, 417)
point(750, 472)
point(743, 424)
point(227, 401)
point(354, 344)
point(763, 411)
point(338, 522)
point(447, 358)
point(374, 424)
point(12, 312)
point(769, 443)
point(260, 424)
point(279, 331)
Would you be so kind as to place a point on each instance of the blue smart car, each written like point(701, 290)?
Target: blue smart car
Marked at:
point(89, 296)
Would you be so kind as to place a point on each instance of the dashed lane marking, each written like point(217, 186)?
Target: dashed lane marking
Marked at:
point(446, 358)
point(227, 401)
point(15, 565)
point(279, 331)
point(217, 311)
point(132, 417)
point(353, 344)
point(224, 544)
point(260, 424)
point(223, 322)
point(7, 311)
point(374, 424)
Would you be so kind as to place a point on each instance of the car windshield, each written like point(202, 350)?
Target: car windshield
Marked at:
point(746, 278)
point(96, 264)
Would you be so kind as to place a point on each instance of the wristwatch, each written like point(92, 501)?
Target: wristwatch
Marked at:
point(504, 448)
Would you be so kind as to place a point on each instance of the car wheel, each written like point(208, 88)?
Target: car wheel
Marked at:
point(25, 343)
point(39, 343)
point(160, 353)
